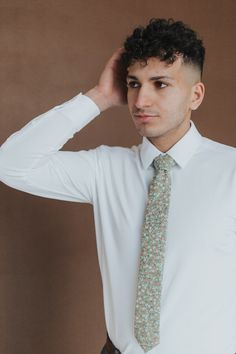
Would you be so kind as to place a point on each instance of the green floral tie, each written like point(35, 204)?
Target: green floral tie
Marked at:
point(147, 311)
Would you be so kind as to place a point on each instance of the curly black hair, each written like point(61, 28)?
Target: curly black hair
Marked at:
point(165, 39)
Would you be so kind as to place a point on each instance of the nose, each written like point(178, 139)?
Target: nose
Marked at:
point(143, 98)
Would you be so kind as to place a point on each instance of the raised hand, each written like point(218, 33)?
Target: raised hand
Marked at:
point(111, 89)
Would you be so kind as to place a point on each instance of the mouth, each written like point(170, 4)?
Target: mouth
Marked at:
point(144, 118)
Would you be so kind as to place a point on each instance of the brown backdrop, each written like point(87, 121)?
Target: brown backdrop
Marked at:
point(51, 294)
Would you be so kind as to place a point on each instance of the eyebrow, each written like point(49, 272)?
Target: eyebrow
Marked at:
point(151, 78)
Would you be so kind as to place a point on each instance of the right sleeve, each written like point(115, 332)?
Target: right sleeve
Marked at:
point(30, 159)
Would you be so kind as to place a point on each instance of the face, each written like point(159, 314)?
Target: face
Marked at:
point(161, 97)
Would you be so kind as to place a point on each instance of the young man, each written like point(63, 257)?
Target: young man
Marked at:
point(165, 210)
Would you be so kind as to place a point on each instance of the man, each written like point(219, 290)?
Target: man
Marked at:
point(165, 210)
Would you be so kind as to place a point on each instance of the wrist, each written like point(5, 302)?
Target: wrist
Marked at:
point(98, 98)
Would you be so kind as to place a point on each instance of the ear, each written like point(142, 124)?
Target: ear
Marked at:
point(198, 91)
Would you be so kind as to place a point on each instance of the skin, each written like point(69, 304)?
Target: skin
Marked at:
point(170, 99)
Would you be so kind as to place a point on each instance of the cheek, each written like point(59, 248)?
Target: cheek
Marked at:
point(166, 103)
point(184, 104)
point(177, 102)
point(166, 98)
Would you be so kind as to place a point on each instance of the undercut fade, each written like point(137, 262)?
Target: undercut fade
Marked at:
point(166, 39)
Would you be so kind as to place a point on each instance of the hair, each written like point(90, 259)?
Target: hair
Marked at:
point(165, 39)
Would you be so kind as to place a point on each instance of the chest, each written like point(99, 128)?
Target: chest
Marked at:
point(201, 210)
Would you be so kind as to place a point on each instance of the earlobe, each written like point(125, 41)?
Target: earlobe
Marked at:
point(197, 95)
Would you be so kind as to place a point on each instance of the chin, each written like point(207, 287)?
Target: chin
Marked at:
point(150, 133)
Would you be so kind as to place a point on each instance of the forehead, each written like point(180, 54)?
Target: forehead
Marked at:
point(155, 67)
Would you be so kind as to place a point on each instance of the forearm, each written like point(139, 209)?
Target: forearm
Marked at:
point(43, 136)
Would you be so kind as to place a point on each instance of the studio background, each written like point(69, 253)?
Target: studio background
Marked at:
point(51, 290)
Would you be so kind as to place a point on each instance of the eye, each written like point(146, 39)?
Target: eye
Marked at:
point(135, 84)
point(160, 84)
point(131, 84)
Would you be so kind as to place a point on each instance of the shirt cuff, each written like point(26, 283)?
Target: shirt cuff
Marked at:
point(81, 109)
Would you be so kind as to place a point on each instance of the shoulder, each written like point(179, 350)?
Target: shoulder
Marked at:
point(217, 147)
point(117, 151)
point(219, 152)
point(117, 154)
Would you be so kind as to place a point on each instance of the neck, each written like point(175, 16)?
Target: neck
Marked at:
point(165, 142)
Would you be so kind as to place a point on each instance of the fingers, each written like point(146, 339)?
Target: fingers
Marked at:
point(119, 51)
point(115, 58)
point(116, 55)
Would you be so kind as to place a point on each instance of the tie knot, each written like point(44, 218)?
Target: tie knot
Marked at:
point(164, 162)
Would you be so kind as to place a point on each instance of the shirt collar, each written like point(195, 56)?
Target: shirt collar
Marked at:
point(181, 152)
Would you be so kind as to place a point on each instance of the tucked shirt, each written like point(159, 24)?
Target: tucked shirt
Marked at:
point(198, 302)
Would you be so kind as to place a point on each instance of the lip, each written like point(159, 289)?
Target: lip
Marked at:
point(144, 118)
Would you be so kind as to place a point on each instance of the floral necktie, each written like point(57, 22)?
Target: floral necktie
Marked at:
point(152, 257)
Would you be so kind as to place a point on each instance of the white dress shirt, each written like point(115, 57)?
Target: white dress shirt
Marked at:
point(198, 308)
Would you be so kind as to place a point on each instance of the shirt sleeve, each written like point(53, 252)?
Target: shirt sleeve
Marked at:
point(30, 159)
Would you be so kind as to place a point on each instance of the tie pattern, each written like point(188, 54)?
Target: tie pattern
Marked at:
point(147, 310)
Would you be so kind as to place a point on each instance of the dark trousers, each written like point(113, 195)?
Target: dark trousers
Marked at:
point(109, 347)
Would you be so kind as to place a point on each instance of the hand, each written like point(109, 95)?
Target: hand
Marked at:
point(111, 89)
